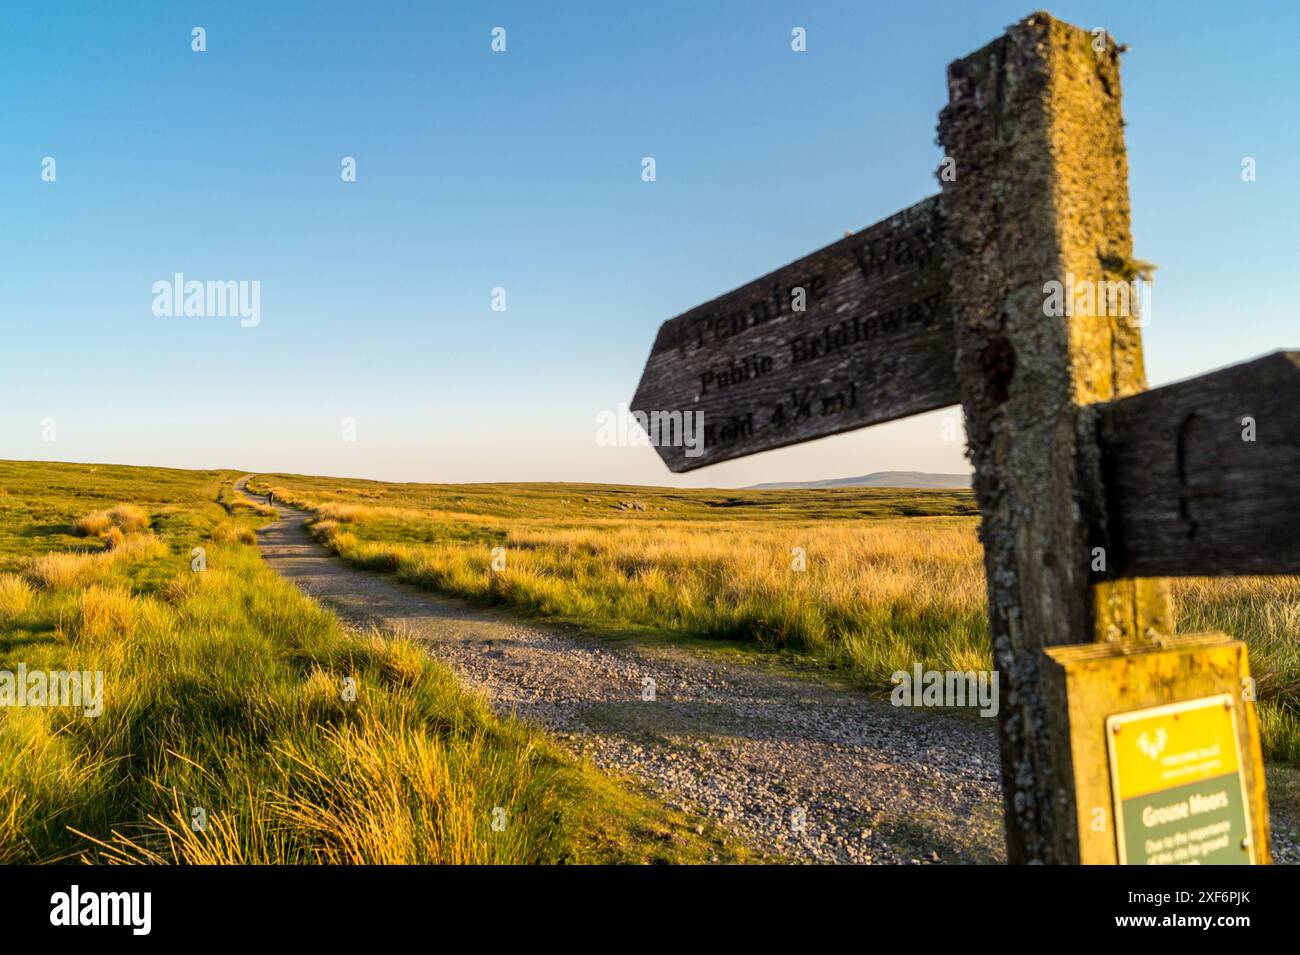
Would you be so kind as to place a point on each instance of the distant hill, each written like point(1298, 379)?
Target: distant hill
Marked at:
point(876, 479)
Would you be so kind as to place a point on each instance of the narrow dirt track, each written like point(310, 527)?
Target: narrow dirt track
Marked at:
point(809, 772)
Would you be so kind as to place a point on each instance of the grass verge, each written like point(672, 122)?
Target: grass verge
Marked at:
point(242, 724)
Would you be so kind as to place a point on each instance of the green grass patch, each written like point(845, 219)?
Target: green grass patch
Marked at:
point(242, 724)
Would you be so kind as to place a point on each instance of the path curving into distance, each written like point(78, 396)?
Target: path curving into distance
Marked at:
point(791, 766)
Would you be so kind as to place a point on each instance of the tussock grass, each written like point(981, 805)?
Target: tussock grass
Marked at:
point(63, 570)
point(876, 595)
point(129, 518)
point(140, 547)
point(112, 527)
point(60, 570)
point(872, 596)
point(231, 692)
point(230, 697)
point(16, 595)
point(125, 518)
point(103, 614)
point(229, 532)
point(92, 525)
point(1265, 612)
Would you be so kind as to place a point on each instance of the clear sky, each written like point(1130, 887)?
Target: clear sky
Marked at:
point(522, 170)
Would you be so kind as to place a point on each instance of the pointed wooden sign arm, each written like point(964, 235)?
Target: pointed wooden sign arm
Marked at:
point(855, 334)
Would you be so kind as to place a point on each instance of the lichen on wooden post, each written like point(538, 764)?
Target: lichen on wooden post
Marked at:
point(1035, 130)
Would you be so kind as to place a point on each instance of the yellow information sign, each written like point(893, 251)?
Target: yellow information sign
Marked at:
point(1180, 795)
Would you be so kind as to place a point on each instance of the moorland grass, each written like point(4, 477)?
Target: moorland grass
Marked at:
point(242, 724)
point(868, 581)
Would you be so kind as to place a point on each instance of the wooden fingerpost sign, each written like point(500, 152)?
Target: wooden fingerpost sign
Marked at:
point(855, 334)
point(1010, 292)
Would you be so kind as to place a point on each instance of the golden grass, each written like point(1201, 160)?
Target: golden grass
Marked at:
point(104, 613)
point(60, 570)
point(348, 513)
point(125, 518)
point(875, 596)
point(1263, 611)
point(873, 593)
point(222, 691)
point(16, 595)
point(140, 547)
point(407, 772)
point(406, 799)
point(229, 532)
point(129, 518)
point(363, 792)
point(92, 525)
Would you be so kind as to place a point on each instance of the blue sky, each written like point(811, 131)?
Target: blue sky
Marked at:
point(522, 170)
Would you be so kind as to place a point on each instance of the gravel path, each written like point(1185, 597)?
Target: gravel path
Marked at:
point(795, 768)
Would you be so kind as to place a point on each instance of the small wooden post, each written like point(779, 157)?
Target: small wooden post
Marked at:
point(1040, 194)
point(1091, 685)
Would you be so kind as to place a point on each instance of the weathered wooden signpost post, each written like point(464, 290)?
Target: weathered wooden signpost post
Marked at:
point(1120, 741)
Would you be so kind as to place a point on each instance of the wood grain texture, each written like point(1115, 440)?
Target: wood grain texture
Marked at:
point(1185, 493)
point(1034, 125)
point(874, 343)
